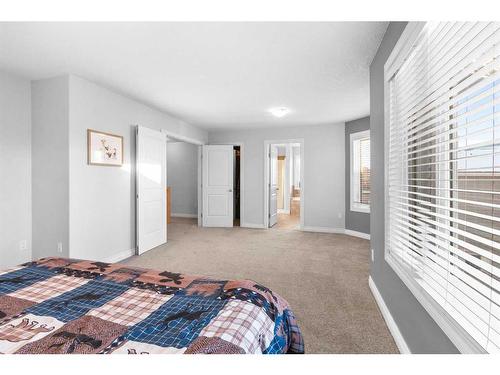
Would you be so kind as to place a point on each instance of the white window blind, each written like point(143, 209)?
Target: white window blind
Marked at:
point(443, 173)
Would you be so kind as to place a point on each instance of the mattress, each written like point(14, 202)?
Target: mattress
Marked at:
point(56, 305)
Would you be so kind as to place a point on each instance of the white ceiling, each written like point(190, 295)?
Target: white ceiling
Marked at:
point(214, 75)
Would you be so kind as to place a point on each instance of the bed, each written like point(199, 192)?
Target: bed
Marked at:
point(56, 305)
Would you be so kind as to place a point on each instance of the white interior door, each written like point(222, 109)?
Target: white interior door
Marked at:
point(217, 186)
point(273, 185)
point(151, 183)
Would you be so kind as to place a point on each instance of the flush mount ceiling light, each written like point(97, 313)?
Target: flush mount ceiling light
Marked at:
point(279, 111)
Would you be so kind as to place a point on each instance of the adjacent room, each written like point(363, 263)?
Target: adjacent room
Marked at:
point(182, 181)
point(249, 187)
point(284, 186)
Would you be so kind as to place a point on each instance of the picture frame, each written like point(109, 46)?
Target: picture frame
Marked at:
point(104, 149)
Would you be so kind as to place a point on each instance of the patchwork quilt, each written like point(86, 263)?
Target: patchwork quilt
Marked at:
point(57, 305)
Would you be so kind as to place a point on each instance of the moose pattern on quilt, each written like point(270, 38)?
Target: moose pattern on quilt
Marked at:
point(57, 305)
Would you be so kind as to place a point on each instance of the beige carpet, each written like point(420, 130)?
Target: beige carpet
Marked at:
point(324, 277)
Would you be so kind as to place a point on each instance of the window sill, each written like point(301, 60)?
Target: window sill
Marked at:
point(457, 335)
point(360, 208)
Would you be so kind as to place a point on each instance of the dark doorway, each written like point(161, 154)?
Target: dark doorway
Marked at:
point(236, 186)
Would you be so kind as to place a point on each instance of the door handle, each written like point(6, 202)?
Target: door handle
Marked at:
point(230, 190)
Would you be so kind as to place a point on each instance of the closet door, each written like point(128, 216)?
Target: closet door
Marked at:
point(151, 182)
point(218, 186)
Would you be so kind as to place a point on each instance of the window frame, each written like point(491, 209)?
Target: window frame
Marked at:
point(357, 206)
point(457, 335)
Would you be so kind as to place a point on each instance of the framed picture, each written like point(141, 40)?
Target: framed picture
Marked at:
point(104, 148)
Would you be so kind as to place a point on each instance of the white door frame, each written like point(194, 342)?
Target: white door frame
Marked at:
point(286, 183)
point(273, 186)
point(198, 143)
point(242, 178)
point(267, 144)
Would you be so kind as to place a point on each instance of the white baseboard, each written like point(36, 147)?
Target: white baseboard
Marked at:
point(336, 231)
point(189, 216)
point(317, 230)
point(323, 230)
point(354, 233)
point(389, 320)
point(252, 225)
point(120, 256)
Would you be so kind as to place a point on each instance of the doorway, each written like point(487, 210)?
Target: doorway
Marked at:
point(176, 210)
point(237, 186)
point(283, 184)
point(152, 198)
point(182, 178)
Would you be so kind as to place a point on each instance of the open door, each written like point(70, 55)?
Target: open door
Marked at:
point(151, 182)
point(217, 186)
point(273, 185)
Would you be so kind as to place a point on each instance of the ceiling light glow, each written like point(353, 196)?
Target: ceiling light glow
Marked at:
point(279, 111)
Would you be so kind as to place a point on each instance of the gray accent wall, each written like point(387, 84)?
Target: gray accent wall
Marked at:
point(356, 221)
point(50, 166)
point(15, 169)
point(182, 177)
point(324, 187)
point(419, 330)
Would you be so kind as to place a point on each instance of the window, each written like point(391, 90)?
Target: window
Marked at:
point(443, 175)
point(360, 171)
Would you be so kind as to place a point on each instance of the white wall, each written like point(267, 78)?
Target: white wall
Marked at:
point(182, 177)
point(50, 166)
point(324, 171)
point(89, 209)
point(15, 169)
point(102, 199)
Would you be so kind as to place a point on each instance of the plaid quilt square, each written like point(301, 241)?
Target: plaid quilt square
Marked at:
point(19, 332)
point(296, 341)
point(21, 278)
point(51, 262)
point(133, 347)
point(176, 323)
point(91, 266)
point(287, 337)
point(242, 324)
point(124, 274)
point(131, 307)
point(212, 345)
point(165, 278)
point(203, 288)
point(50, 288)
point(77, 302)
point(85, 335)
point(11, 307)
point(9, 270)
